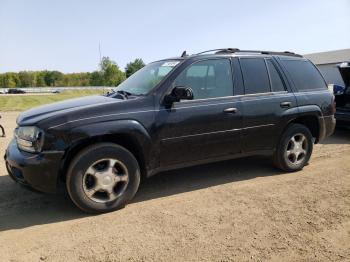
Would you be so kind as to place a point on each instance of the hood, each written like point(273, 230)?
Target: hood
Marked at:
point(37, 114)
point(344, 69)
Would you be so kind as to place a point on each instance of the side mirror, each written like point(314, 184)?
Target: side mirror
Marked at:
point(179, 93)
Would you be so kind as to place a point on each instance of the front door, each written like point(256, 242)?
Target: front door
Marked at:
point(209, 125)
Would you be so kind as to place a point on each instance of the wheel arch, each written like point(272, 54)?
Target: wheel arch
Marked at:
point(311, 122)
point(308, 116)
point(129, 134)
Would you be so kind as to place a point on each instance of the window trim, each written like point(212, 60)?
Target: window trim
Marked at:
point(279, 74)
point(234, 96)
point(268, 74)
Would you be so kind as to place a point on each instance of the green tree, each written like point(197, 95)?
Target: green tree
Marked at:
point(8, 80)
point(134, 66)
point(109, 74)
point(96, 78)
point(112, 75)
point(26, 78)
point(40, 79)
point(52, 77)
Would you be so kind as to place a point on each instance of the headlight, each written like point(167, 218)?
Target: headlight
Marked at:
point(29, 138)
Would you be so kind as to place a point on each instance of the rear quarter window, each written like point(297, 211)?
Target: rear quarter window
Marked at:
point(304, 75)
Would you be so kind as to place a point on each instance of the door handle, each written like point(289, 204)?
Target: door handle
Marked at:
point(230, 110)
point(286, 104)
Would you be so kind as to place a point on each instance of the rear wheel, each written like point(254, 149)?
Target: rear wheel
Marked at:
point(294, 148)
point(103, 178)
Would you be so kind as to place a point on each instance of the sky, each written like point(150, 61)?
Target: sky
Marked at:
point(65, 35)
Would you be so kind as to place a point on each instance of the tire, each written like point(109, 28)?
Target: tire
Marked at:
point(293, 156)
point(96, 193)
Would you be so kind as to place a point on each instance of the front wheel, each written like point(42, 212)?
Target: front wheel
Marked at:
point(103, 178)
point(294, 148)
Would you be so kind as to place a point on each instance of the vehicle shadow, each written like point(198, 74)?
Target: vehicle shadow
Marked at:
point(204, 176)
point(21, 208)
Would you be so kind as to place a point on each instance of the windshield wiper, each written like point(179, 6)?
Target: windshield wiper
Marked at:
point(124, 94)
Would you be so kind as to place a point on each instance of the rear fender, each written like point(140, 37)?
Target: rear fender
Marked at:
point(302, 114)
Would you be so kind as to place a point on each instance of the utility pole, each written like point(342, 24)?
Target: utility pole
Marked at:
point(99, 50)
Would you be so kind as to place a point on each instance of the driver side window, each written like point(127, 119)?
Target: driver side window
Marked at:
point(208, 79)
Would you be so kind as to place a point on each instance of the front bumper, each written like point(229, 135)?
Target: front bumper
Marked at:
point(40, 171)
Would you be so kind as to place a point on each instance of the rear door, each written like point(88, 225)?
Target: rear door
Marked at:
point(264, 102)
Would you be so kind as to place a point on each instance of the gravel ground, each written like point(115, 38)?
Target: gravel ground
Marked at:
point(239, 210)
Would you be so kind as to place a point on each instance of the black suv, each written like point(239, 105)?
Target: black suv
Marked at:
point(173, 113)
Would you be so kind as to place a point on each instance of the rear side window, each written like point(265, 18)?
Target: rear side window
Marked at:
point(277, 84)
point(256, 79)
point(304, 75)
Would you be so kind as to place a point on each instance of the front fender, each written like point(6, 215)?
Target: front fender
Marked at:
point(130, 130)
point(128, 127)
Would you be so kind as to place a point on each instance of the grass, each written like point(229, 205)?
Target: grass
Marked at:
point(24, 102)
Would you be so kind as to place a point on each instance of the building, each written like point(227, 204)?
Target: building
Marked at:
point(328, 63)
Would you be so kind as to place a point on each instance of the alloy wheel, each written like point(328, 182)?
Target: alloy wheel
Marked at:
point(105, 180)
point(296, 150)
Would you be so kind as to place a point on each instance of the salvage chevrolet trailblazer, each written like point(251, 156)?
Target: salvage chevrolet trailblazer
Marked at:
point(215, 105)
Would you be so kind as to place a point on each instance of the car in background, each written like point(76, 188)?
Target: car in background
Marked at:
point(342, 95)
point(15, 91)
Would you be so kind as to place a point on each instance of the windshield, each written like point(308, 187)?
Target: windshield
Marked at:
point(144, 80)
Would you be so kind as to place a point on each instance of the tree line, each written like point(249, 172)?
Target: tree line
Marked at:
point(109, 74)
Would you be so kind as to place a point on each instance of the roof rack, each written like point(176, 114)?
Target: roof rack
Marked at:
point(236, 50)
point(220, 50)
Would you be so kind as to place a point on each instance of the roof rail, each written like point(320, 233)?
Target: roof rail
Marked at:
point(286, 53)
point(220, 50)
point(236, 50)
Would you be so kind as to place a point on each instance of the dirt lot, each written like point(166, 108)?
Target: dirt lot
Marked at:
point(236, 210)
